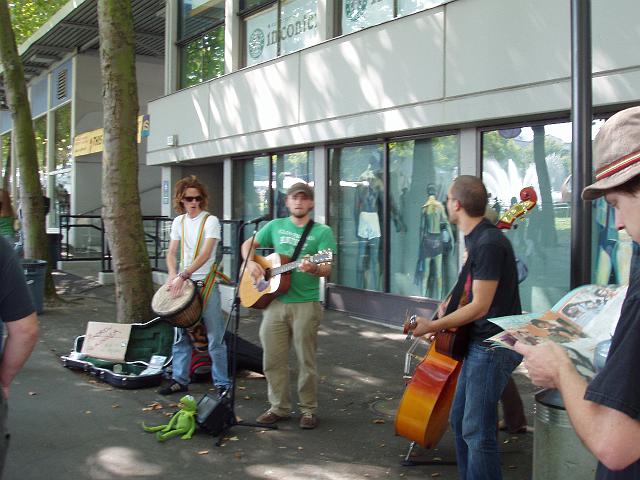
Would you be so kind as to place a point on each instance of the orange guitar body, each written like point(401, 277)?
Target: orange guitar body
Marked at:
point(423, 415)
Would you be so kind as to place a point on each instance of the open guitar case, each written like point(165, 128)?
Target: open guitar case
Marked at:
point(155, 337)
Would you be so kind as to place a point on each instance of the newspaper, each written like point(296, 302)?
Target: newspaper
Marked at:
point(579, 321)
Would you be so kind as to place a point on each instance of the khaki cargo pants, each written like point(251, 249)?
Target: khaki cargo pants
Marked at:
point(282, 325)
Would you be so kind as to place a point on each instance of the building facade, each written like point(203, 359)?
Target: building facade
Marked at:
point(380, 104)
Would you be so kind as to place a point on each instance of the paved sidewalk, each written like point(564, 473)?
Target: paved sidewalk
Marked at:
point(67, 425)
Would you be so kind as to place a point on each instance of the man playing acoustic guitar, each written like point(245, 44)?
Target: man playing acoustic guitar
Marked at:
point(491, 292)
point(296, 314)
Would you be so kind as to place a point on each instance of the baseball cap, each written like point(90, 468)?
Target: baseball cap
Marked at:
point(301, 187)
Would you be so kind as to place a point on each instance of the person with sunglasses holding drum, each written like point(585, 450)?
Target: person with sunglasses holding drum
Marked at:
point(194, 236)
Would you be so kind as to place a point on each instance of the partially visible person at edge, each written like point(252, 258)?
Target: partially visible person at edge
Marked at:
point(606, 412)
point(197, 263)
point(493, 292)
point(20, 321)
point(7, 218)
point(295, 316)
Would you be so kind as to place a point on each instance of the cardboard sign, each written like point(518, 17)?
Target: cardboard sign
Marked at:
point(107, 341)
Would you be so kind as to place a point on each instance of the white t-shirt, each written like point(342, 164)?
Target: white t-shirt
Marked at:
point(191, 230)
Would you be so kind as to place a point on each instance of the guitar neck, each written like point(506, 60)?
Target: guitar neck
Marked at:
point(285, 268)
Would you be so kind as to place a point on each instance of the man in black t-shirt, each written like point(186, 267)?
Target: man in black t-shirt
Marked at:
point(491, 290)
point(21, 322)
point(606, 412)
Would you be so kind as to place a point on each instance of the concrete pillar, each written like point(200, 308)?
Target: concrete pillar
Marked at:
point(170, 48)
point(232, 40)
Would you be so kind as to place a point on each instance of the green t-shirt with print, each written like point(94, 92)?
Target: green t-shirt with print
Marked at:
point(283, 235)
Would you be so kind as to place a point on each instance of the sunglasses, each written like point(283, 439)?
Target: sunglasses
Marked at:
point(191, 199)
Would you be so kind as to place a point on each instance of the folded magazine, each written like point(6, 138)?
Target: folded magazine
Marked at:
point(584, 317)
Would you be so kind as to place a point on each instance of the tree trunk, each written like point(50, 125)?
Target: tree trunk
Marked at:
point(121, 199)
point(31, 198)
point(547, 230)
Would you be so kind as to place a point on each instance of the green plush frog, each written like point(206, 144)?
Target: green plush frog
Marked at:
point(183, 422)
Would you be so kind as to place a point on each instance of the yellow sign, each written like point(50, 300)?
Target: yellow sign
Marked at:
point(91, 142)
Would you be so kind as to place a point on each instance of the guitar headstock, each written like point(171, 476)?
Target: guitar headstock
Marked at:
point(529, 198)
point(323, 256)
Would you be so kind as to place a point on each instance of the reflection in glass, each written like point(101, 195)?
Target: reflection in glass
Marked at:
point(298, 24)
point(5, 152)
point(40, 132)
point(406, 7)
point(251, 183)
point(356, 191)
point(289, 168)
point(538, 156)
point(359, 14)
point(261, 36)
point(251, 188)
point(423, 247)
point(203, 58)
point(62, 153)
point(196, 16)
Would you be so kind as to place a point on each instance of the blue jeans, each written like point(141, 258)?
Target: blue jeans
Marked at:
point(214, 323)
point(474, 413)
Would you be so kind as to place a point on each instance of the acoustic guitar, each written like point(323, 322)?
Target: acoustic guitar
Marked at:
point(276, 280)
point(423, 413)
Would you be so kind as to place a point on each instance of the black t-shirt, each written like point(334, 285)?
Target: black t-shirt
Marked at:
point(492, 258)
point(15, 300)
point(617, 386)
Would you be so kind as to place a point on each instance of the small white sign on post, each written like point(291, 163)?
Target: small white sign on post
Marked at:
point(107, 341)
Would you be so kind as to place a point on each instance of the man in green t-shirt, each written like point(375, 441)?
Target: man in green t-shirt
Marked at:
point(296, 314)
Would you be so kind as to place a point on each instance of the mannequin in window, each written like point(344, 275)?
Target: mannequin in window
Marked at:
point(368, 210)
point(434, 236)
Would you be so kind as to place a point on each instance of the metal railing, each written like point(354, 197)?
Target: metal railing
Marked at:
point(83, 238)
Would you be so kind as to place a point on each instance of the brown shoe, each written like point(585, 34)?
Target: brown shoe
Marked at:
point(269, 417)
point(308, 421)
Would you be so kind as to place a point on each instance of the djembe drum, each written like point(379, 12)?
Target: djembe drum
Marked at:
point(183, 311)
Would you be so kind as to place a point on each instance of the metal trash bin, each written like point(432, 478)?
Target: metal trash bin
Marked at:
point(34, 273)
point(558, 453)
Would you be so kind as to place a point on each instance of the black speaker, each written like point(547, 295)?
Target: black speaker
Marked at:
point(215, 414)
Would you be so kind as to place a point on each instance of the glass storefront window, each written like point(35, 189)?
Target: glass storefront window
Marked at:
point(251, 190)
point(298, 25)
point(538, 156)
point(63, 156)
point(359, 14)
point(40, 132)
point(196, 16)
point(266, 38)
point(5, 152)
point(289, 168)
point(423, 245)
point(203, 58)
point(356, 194)
point(611, 249)
point(261, 36)
point(405, 7)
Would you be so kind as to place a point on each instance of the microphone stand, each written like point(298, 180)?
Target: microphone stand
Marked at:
point(234, 313)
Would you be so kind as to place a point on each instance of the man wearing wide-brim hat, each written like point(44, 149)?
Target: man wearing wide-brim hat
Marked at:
point(606, 412)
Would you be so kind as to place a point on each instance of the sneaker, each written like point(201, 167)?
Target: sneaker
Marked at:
point(308, 421)
point(269, 418)
point(173, 387)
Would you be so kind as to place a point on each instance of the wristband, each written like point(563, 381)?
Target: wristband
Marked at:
point(184, 275)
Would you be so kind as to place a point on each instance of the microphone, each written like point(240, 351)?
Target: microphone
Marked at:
point(259, 219)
